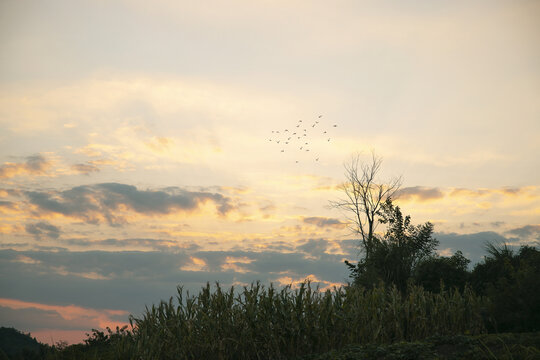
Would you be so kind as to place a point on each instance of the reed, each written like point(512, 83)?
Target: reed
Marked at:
point(261, 322)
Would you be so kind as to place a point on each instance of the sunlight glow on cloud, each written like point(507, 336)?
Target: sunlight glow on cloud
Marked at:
point(34, 165)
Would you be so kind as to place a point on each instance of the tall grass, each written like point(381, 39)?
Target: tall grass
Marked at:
point(264, 322)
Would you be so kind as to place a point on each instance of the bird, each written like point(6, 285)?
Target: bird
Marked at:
point(282, 150)
point(299, 120)
point(324, 132)
point(297, 161)
point(272, 131)
point(305, 130)
point(286, 130)
point(307, 149)
point(305, 143)
point(280, 140)
point(289, 138)
point(301, 147)
point(313, 125)
point(335, 125)
point(328, 139)
point(317, 159)
point(294, 133)
point(320, 116)
point(298, 125)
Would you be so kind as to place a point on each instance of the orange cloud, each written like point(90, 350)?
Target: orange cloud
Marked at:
point(34, 165)
point(196, 264)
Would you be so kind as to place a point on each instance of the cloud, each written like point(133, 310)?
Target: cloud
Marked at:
point(104, 202)
point(153, 244)
point(527, 232)
point(34, 165)
point(472, 245)
point(314, 246)
point(7, 204)
point(324, 222)
point(43, 229)
point(24, 314)
point(506, 191)
point(85, 169)
point(128, 280)
point(419, 193)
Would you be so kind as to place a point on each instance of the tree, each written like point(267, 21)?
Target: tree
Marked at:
point(396, 254)
point(364, 196)
point(510, 279)
point(452, 271)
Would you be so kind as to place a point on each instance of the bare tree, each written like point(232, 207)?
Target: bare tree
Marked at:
point(364, 195)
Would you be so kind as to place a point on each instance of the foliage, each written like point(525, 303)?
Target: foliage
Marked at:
point(263, 323)
point(434, 271)
point(395, 256)
point(18, 345)
point(510, 279)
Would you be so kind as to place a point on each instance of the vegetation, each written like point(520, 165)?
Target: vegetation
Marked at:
point(263, 323)
point(395, 255)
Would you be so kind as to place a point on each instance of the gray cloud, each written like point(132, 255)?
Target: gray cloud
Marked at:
point(323, 222)
point(92, 203)
point(35, 165)
point(526, 232)
point(7, 204)
point(420, 193)
point(37, 319)
point(472, 245)
point(314, 246)
point(85, 169)
point(129, 280)
point(154, 244)
point(43, 229)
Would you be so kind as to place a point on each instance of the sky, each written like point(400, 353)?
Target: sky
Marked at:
point(138, 142)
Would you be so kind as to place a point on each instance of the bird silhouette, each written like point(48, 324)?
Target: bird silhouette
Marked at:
point(320, 116)
point(335, 125)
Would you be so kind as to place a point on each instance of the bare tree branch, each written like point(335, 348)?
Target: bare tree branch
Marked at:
point(364, 195)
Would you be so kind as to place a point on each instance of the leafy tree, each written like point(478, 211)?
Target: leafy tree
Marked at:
point(451, 271)
point(396, 254)
point(510, 279)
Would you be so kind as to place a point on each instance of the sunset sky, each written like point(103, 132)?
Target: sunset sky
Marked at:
point(135, 150)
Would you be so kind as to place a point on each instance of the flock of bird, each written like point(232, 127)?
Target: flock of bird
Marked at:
point(300, 138)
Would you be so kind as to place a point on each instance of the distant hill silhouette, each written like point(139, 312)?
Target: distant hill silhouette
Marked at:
point(17, 345)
